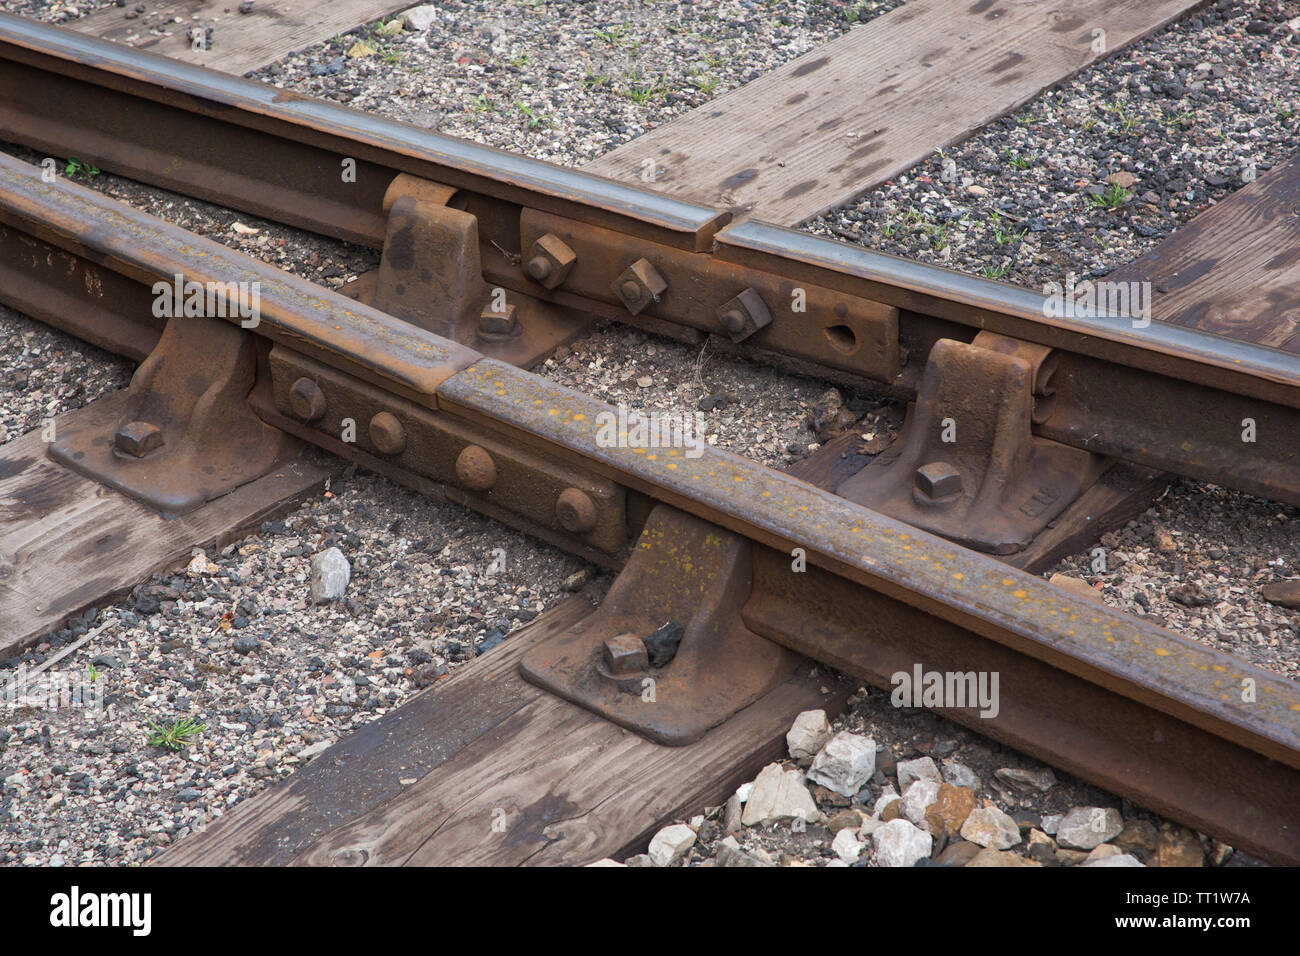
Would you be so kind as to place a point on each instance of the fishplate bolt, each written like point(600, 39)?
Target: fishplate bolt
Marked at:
point(639, 285)
point(550, 260)
point(475, 468)
point(307, 400)
point(744, 315)
point(575, 511)
point(387, 433)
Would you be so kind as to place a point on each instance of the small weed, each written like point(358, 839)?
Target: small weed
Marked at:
point(1125, 121)
point(995, 272)
point(482, 104)
point(518, 61)
point(1002, 235)
point(531, 119)
point(1114, 197)
point(613, 36)
point(175, 735)
point(76, 168)
point(1016, 161)
point(91, 673)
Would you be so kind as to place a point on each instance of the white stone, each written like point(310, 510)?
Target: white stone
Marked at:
point(899, 843)
point(779, 795)
point(606, 862)
point(919, 795)
point(922, 768)
point(808, 735)
point(959, 775)
point(869, 826)
point(1051, 823)
point(670, 844)
point(315, 750)
point(990, 827)
point(845, 763)
point(330, 573)
point(1086, 827)
point(420, 18)
point(1119, 859)
point(887, 797)
point(846, 846)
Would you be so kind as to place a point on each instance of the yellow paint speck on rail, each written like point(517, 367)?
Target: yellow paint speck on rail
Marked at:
point(1162, 652)
point(959, 576)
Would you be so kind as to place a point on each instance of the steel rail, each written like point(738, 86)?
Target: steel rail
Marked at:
point(1163, 396)
point(1185, 738)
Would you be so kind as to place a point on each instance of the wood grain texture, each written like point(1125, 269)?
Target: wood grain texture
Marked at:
point(240, 42)
point(1234, 270)
point(563, 785)
point(67, 543)
point(821, 130)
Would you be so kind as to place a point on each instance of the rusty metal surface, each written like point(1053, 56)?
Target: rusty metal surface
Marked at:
point(687, 574)
point(431, 275)
point(967, 465)
point(1076, 634)
point(831, 328)
point(478, 469)
point(183, 433)
point(513, 416)
point(144, 250)
point(91, 92)
point(279, 158)
point(1085, 727)
point(1193, 355)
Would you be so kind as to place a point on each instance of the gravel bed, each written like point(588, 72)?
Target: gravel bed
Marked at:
point(207, 643)
point(1180, 120)
point(563, 80)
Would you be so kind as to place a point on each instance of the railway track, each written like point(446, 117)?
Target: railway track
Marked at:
point(440, 400)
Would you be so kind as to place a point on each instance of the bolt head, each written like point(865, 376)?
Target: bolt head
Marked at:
point(938, 481)
point(575, 511)
point(625, 654)
point(498, 325)
point(387, 434)
point(307, 400)
point(539, 267)
point(639, 285)
point(475, 468)
point(138, 439)
point(550, 260)
point(744, 315)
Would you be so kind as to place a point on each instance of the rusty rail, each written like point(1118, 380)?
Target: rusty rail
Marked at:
point(1151, 715)
point(1162, 396)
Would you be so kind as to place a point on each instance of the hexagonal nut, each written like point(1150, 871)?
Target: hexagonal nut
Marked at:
point(494, 324)
point(387, 434)
point(138, 439)
point(625, 654)
point(639, 285)
point(550, 260)
point(938, 481)
point(307, 400)
point(744, 315)
point(475, 469)
point(575, 511)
